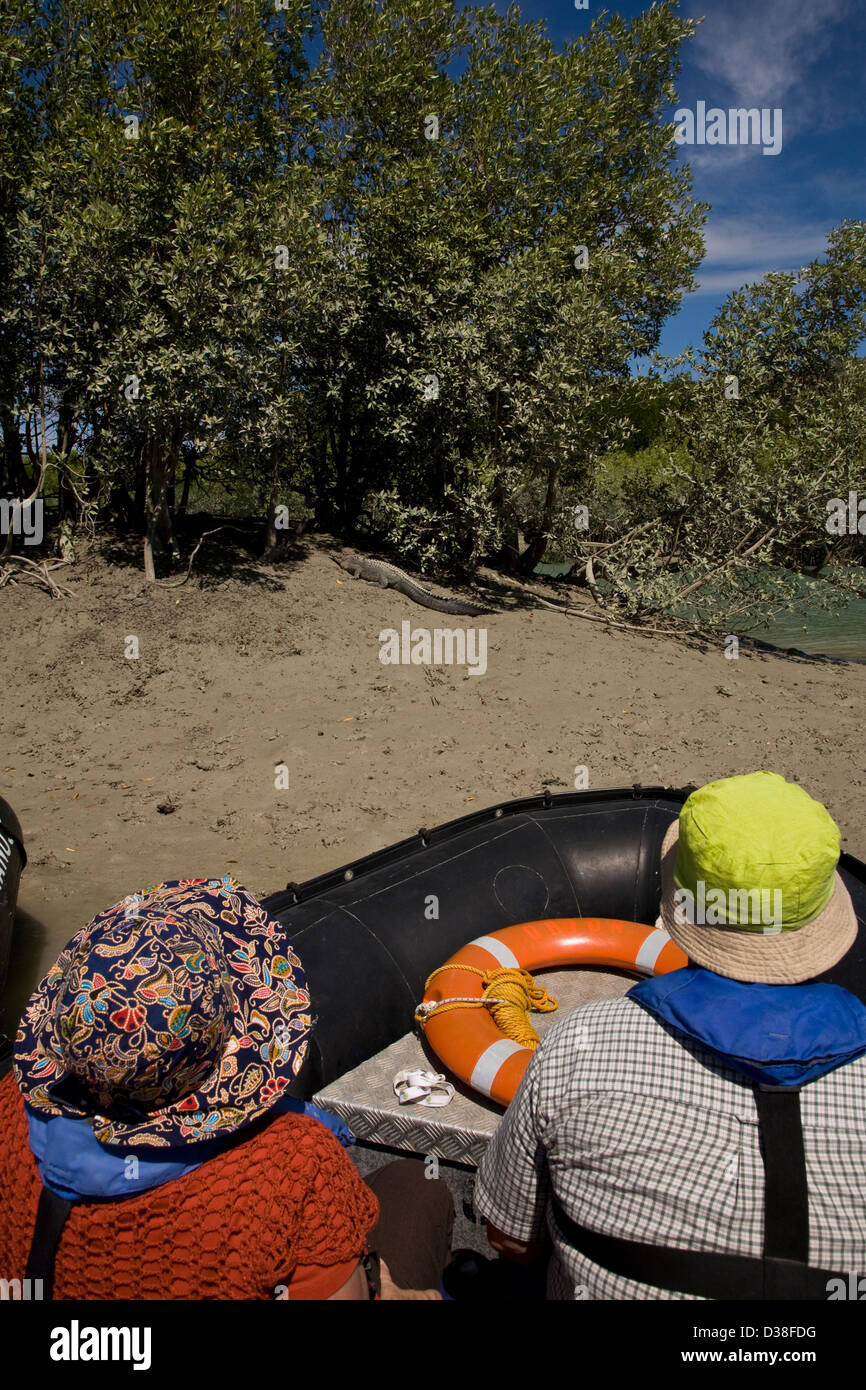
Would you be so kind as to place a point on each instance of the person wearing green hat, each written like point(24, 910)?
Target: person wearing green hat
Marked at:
point(704, 1135)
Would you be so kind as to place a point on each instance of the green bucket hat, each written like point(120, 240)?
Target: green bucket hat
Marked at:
point(750, 887)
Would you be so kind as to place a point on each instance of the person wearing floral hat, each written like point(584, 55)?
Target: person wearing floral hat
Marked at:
point(705, 1135)
point(151, 1145)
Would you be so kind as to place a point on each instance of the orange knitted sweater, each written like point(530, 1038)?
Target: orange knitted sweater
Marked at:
point(285, 1207)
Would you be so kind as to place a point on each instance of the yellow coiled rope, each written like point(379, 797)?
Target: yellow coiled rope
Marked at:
point(508, 994)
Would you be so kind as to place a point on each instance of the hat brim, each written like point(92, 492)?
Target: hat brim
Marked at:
point(786, 958)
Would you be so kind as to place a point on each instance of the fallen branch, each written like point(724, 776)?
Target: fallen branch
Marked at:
point(620, 540)
point(613, 622)
point(589, 574)
point(736, 558)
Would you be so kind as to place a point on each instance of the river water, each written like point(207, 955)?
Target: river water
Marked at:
point(841, 634)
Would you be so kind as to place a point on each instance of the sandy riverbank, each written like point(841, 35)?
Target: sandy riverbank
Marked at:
point(255, 666)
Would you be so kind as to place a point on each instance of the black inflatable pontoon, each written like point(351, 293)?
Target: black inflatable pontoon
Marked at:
point(12, 861)
point(369, 934)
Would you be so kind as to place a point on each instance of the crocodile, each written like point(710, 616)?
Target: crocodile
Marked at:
point(390, 577)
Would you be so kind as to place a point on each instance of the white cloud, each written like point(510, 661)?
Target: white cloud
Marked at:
point(742, 250)
point(763, 52)
point(733, 241)
point(718, 282)
point(721, 158)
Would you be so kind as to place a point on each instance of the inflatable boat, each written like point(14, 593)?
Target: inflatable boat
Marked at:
point(12, 861)
point(369, 934)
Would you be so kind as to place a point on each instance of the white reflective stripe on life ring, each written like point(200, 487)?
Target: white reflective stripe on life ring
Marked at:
point(651, 949)
point(488, 1064)
point(499, 950)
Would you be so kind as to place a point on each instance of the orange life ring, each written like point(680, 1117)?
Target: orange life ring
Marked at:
point(468, 1041)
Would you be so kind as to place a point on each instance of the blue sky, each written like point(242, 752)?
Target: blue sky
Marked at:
point(769, 212)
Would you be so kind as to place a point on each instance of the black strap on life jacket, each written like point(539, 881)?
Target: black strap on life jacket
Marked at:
point(51, 1213)
point(6, 1054)
point(786, 1194)
point(782, 1273)
point(51, 1217)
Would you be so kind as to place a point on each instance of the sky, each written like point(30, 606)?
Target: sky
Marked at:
point(769, 212)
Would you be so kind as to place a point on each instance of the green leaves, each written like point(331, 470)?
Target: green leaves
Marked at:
point(764, 425)
point(407, 259)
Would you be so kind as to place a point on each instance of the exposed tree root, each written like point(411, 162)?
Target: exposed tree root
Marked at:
point(38, 571)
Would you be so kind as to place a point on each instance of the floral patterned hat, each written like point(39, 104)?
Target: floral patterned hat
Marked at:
point(177, 1015)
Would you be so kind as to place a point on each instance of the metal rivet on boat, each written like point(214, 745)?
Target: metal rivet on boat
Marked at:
point(498, 812)
point(348, 875)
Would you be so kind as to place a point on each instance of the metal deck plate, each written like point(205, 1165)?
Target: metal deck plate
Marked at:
point(460, 1131)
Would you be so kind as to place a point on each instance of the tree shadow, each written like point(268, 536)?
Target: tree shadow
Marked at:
point(234, 552)
point(508, 590)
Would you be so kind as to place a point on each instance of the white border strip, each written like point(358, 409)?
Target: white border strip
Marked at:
point(651, 949)
point(498, 950)
point(486, 1068)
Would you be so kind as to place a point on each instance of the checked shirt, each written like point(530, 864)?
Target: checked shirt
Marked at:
point(645, 1135)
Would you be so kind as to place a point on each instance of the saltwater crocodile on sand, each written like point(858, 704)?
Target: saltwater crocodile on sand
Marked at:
point(389, 576)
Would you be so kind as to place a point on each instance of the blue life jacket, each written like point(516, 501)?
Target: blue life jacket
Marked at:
point(779, 1035)
point(73, 1164)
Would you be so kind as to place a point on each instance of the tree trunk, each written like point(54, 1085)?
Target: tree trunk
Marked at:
point(271, 544)
point(509, 551)
point(32, 451)
point(151, 509)
point(321, 501)
point(536, 548)
point(13, 461)
point(141, 476)
point(158, 528)
point(271, 540)
point(67, 501)
point(166, 511)
point(341, 461)
point(189, 469)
